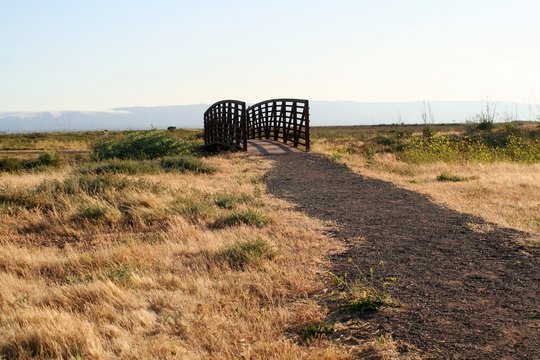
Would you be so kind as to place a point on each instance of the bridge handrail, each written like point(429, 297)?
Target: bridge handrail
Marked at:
point(280, 119)
point(225, 124)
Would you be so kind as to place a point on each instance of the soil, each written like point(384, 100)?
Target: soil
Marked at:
point(464, 294)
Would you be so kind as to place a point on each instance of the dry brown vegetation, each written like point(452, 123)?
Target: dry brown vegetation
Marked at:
point(503, 192)
point(159, 265)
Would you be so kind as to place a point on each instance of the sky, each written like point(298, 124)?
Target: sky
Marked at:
point(103, 54)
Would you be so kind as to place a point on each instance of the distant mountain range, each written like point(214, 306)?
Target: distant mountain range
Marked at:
point(321, 112)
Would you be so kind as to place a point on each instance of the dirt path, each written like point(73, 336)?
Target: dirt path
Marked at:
point(464, 294)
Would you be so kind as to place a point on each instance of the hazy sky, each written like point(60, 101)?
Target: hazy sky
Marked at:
point(100, 54)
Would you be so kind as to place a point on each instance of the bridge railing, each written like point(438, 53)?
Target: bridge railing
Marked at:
point(225, 124)
point(284, 120)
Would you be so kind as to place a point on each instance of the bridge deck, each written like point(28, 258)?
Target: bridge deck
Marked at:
point(269, 147)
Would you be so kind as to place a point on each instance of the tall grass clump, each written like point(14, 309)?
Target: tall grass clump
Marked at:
point(248, 253)
point(141, 145)
point(249, 217)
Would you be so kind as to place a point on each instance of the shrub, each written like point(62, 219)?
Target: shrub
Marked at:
point(186, 164)
point(11, 165)
point(248, 253)
point(250, 218)
point(141, 145)
point(48, 159)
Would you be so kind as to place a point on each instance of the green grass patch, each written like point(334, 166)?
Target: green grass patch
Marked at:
point(317, 330)
point(248, 253)
point(364, 297)
point(448, 177)
point(196, 207)
point(249, 217)
point(181, 163)
point(229, 201)
point(99, 213)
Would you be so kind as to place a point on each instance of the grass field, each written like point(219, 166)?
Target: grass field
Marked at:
point(166, 253)
point(154, 258)
point(493, 174)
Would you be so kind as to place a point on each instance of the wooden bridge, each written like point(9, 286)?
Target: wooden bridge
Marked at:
point(271, 126)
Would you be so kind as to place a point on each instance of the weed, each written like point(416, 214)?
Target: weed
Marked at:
point(367, 302)
point(318, 330)
point(249, 217)
point(248, 253)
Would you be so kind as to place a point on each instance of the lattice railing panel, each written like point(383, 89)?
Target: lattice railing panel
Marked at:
point(225, 124)
point(284, 120)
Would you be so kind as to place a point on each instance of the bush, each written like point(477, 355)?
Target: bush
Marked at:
point(48, 159)
point(249, 252)
point(11, 165)
point(141, 146)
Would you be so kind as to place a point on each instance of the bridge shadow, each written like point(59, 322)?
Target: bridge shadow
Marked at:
point(463, 293)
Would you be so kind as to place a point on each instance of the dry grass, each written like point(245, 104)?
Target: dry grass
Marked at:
point(153, 277)
point(504, 193)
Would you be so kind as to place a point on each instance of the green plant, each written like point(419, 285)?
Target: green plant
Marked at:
point(195, 207)
point(141, 145)
point(45, 160)
point(317, 330)
point(363, 295)
point(229, 201)
point(486, 118)
point(248, 253)
point(249, 217)
point(99, 213)
point(445, 176)
point(11, 165)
